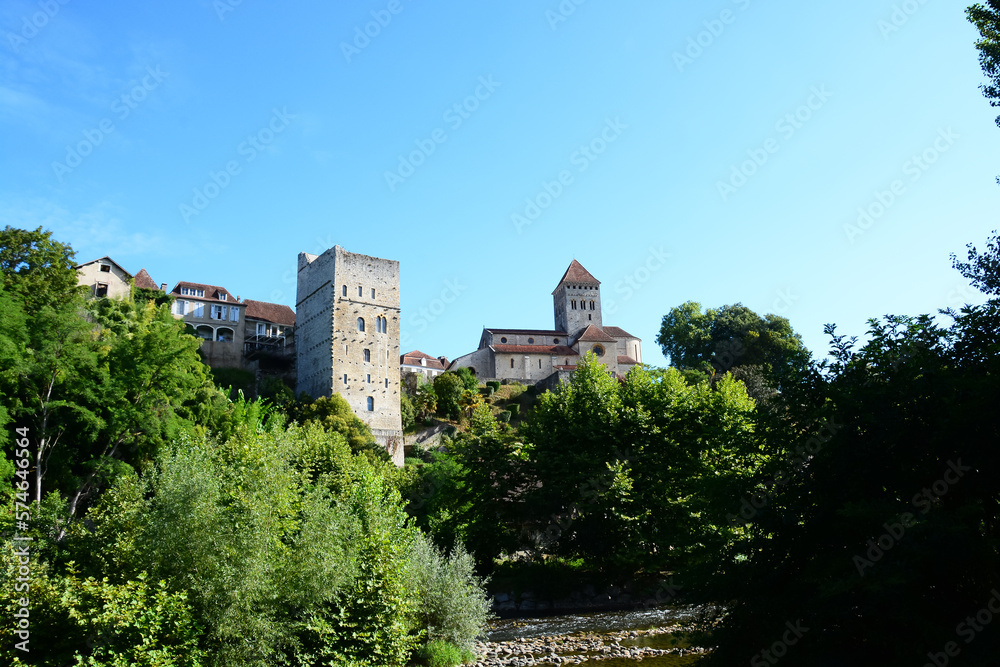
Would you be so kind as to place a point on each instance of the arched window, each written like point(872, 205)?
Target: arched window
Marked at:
point(368, 356)
point(592, 305)
point(361, 324)
point(344, 293)
point(371, 404)
point(573, 304)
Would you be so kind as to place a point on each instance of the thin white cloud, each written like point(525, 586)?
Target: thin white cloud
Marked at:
point(93, 233)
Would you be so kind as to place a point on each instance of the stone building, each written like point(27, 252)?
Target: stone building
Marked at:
point(347, 337)
point(269, 329)
point(217, 317)
point(104, 277)
point(417, 363)
point(534, 355)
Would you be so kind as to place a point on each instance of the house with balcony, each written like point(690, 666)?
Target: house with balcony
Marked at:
point(269, 330)
point(215, 316)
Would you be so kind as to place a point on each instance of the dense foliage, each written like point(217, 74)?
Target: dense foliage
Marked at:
point(716, 341)
point(172, 525)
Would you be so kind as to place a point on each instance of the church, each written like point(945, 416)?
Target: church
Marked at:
point(533, 355)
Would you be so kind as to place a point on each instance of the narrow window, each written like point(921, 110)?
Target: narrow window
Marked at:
point(512, 363)
point(539, 363)
point(387, 383)
point(368, 356)
point(344, 292)
point(592, 305)
point(369, 378)
point(371, 404)
point(574, 304)
point(360, 290)
point(345, 378)
point(361, 324)
point(373, 292)
point(589, 316)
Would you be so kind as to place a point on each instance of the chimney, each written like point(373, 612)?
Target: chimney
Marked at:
point(163, 287)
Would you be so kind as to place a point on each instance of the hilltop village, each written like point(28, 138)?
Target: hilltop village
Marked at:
point(343, 336)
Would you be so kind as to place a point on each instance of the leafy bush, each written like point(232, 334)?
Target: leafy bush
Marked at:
point(407, 412)
point(85, 621)
point(504, 416)
point(495, 384)
point(443, 654)
point(453, 607)
point(514, 409)
point(468, 378)
point(449, 389)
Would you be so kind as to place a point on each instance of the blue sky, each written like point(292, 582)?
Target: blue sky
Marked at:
point(716, 151)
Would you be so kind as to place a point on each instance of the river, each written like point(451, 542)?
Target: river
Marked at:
point(606, 639)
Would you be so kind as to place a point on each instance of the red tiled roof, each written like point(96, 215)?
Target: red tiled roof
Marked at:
point(618, 332)
point(593, 334)
point(624, 360)
point(416, 354)
point(269, 312)
point(556, 350)
point(414, 358)
point(210, 292)
point(144, 281)
point(577, 274)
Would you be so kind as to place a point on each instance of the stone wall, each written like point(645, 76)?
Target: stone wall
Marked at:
point(119, 284)
point(340, 347)
point(572, 321)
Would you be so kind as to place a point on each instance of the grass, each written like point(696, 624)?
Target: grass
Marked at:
point(442, 654)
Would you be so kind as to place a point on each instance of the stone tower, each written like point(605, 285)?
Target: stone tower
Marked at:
point(347, 337)
point(577, 300)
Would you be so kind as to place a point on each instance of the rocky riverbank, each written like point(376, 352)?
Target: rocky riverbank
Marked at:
point(577, 648)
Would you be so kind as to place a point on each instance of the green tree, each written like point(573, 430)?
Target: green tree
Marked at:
point(982, 268)
point(986, 18)
point(448, 387)
point(334, 414)
point(425, 400)
point(468, 378)
point(731, 336)
point(876, 514)
point(37, 268)
point(637, 474)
